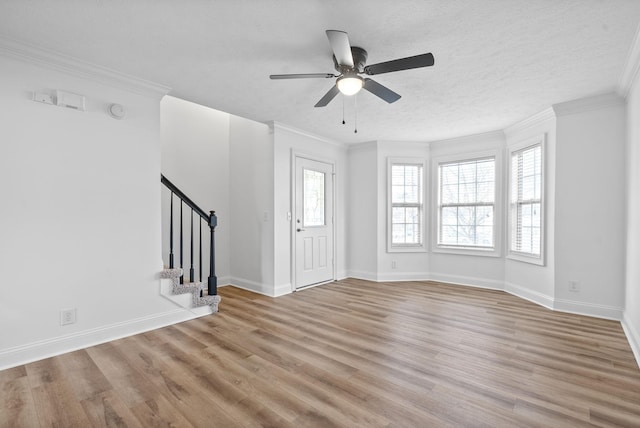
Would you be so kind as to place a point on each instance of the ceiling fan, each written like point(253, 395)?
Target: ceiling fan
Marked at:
point(350, 62)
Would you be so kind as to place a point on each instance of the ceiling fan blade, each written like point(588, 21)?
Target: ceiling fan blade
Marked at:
point(381, 91)
point(302, 76)
point(339, 41)
point(424, 60)
point(328, 96)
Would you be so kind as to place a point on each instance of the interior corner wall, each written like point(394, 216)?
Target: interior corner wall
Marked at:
point(590, 211)
point(362, 196)
point(631, 320)
point(251, 203)
point(80, 218)
point(195, 157)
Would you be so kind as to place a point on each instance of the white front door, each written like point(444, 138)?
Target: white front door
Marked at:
point(313, 222)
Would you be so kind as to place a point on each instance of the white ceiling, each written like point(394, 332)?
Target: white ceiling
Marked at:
point(496, 61)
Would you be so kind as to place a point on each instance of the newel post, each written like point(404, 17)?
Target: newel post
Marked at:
point(213, 281)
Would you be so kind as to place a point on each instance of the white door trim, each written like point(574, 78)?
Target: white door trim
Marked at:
point(292, 201)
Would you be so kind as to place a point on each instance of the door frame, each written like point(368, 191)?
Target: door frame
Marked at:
point(292, 210)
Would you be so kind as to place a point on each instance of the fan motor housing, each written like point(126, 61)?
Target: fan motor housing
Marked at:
point(359, 60)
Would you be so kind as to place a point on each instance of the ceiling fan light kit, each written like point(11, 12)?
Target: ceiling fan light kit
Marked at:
point(350, 84)
point(350, 61)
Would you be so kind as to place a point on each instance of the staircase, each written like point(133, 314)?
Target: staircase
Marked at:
point(190, 294)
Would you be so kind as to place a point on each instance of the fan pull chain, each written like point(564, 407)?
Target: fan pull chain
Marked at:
point(343, 122)
point(355, 103)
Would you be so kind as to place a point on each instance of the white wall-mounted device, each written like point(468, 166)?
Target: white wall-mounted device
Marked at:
point(117, 111)
point(67, 99)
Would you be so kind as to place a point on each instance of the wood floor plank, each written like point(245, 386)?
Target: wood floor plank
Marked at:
point(17, 408)
point(353, 353)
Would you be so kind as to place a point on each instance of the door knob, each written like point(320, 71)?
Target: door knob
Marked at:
point(300, 230)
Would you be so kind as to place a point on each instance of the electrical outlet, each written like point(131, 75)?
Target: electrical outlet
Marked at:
point(574, 286)
point(394, 264)
point(67, 316)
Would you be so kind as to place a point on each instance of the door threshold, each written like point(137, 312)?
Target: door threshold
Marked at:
point(306, 287)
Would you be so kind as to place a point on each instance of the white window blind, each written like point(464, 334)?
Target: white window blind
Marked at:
point(406, 205)
point(466, 203)
point(526, 201)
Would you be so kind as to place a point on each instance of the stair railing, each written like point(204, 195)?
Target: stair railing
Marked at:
point(209, 219)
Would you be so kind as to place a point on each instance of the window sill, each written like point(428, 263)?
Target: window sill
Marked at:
point(521, 257)
point(416, 249)
point(467, 251)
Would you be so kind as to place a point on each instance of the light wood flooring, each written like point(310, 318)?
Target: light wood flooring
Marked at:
point(351, 353)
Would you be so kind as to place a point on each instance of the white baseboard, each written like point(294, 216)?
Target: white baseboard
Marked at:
point(249, 285)
point(282, 289)
point(223, 280)
point(360, 274)
point(402, 276)
point(468, 281)
point(532, 296)
point(60, 345)
point(588, 309)
point(633, 337)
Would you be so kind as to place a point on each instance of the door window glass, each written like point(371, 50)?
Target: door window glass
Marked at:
point(313, 198)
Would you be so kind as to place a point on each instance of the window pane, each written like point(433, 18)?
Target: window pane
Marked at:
point(397, 214)
point(526, 194)
point(412, 215)
point(449, 216)
point(313, 198)
point(397, 194)
point(449, 194)
point(484, 236)
point(484, 216)
point(449, 174)
point(398, 234)
point(467, 173)
point(486, 170)
point(449, 235)
point(468, 192)
point(486, 191)
point(466, 235)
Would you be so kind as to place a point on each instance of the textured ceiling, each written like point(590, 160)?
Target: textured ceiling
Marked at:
point(497, 61)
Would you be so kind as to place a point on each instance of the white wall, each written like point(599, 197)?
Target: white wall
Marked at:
point(362, 224)
point(590, 206)
point(80, 218)
point(195, 157)
point(251, 195)
point(631, 320)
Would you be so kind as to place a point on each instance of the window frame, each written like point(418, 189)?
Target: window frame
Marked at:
point(496, 250)
point(537, 259)
point(407, 248)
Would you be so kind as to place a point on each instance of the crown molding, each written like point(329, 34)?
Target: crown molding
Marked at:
point(631, 68)
point(534, 120)
point(359, 147)
point(54, 60)
point(490, 136)
point(282, 127)
point(610, 99)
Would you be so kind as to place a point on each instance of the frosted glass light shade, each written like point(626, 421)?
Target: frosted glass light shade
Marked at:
point(350, 84)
